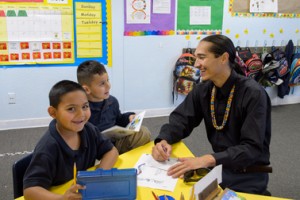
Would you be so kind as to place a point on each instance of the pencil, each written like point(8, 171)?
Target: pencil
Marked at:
point(165, 150)
point(74, 173)
point(181, 196)
point(192, 197)
point(155, 196)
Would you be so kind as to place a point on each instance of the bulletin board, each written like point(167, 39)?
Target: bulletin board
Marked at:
point(145, 17)
point(287, 9)
point(46, 33)
point(214, 8)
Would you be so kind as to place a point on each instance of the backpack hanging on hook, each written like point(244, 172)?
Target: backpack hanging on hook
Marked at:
point(245, 54)
point(185, 75)
point(284, 56)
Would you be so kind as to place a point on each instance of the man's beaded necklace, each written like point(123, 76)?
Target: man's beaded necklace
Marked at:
point(212, 108)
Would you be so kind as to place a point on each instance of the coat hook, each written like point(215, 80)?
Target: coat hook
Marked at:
point(282, 43)
point(189, 44)
point(238, 43)
point(247, 43)
point(273, 43)
point(264, 49)
point(297, 46)
point(255, 46)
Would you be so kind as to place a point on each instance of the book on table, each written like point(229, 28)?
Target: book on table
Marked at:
point(120, 132)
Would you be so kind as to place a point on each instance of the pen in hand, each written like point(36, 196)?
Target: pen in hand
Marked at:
point(165, 150)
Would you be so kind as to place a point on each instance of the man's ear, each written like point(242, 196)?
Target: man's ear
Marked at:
point(225, 57)
point(52, 111)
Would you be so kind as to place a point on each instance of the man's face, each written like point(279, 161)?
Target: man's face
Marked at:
point(98, 90)
point(210, 66)
point(72, 112)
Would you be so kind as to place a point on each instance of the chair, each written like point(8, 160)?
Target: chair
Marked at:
point(18, 171)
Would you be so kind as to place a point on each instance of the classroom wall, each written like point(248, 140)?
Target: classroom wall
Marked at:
point(141, 73)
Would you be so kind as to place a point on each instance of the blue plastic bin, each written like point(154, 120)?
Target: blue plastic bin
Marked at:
point(118, 184)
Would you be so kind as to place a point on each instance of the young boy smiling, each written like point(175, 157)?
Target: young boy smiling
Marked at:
point(70, 139)
point(105, 110)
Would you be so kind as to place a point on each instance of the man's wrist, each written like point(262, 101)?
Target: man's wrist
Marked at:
point(207, 161)
point(211, 160)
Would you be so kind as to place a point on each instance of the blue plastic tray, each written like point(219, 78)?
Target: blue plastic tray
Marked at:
point(111, 184)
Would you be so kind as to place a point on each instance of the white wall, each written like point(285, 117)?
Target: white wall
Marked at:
point(141, 72)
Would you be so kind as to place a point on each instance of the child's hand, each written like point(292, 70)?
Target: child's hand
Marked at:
point(72, 192)
point(131, 117)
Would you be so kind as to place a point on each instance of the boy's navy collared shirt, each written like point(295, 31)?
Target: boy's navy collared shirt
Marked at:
point(53, 160)
point(106, 114)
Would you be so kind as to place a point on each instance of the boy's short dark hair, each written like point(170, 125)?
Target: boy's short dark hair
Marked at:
point(87, 69)
point(60, 89)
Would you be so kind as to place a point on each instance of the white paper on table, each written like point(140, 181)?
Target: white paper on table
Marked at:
point(153, 174)
point(215, 173)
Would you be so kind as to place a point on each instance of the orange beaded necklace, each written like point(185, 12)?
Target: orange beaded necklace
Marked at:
point(212, 108)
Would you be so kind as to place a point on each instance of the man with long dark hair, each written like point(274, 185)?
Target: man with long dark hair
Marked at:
point(236, 111)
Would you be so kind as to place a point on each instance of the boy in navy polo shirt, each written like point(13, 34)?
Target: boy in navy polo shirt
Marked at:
point(70, 139)
point(105, 110)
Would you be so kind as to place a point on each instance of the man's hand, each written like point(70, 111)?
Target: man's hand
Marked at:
point(191, 163)
point(161, 151)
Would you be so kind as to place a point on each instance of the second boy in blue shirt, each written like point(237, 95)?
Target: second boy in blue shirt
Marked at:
point(105, 112)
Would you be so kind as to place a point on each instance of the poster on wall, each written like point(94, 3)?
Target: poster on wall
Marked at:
point(199, 17)
point(138, 12)
point(45, 33)
point(149, 17)
point(267, 8)
point(260, 6)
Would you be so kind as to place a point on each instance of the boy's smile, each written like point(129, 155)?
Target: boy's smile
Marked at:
point(72, 113)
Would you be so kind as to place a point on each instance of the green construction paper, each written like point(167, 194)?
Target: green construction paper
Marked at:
point(183, 14)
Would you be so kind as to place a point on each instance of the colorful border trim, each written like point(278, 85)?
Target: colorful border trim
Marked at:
point(145, 33)
point(194, 32)
point(278, 15)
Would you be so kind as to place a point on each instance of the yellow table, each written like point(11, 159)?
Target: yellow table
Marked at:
point(128, 160)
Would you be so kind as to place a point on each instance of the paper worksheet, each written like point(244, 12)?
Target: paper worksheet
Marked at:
point(153, 174)
point(200, 15)
point(264, 6)
point(162, 6)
